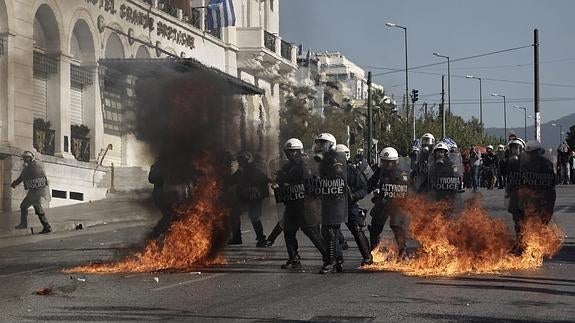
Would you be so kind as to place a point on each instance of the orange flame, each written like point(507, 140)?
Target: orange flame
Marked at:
point(191, 240)
point(470, 243)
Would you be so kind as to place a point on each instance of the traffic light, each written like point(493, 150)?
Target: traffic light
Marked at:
point(414, 95)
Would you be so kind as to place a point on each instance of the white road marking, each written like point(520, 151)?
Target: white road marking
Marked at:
point(188, 282)
point(28, 271)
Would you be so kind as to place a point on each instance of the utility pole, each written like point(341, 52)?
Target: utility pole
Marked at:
point(369, 120)
point(536, 84)
point(443, 134)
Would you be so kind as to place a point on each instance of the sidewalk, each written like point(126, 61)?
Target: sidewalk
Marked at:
point(116, 209)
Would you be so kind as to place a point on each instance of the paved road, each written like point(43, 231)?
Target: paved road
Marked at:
point(253, 288)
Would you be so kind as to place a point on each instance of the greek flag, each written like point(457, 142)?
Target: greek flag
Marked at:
point(221, 14)
point(449, 142)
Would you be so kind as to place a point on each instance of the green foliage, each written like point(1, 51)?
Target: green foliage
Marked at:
point(391, 129)
point(42, 124)
point(79, 131)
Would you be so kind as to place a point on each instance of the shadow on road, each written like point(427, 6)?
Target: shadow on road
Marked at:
point(510, 279)
point(566, 254)
point(478, 319)
point(506, 287)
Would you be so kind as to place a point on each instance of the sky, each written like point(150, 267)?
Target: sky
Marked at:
point(454, 28)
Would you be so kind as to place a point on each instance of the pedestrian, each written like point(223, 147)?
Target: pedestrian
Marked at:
point(572, 166)
point(301, 211)
point(36, 183)
point(332, 188)
point(513, 181)
point(357, 190)
point(563, 153)
point(489, 161)
point(475, 160)
point(251, 189)
point(537, 189)
point(392, 184)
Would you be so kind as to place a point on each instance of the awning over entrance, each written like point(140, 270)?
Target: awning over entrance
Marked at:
point(180, 67)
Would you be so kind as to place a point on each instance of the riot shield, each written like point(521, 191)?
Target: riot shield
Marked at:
point(457, 162)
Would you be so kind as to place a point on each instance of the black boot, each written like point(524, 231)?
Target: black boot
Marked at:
point(362, 243)
point(314, 235)
point(374, 232)
point(273, 235)
point(294, 259)
point(260, 236)
point(23, 220)
point(330, 240)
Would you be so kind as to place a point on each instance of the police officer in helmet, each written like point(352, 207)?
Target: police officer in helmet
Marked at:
point(444, 180)
point(392, 185)
point(36, 183)
point(421, 165)
point(301, 211)
point(357, 190)
point(512, 182)
point(332, 188)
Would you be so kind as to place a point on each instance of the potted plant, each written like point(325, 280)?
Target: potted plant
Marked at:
point(80, 142)
point(43, 136)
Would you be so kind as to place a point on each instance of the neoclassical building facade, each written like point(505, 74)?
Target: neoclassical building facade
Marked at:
point(56, 101)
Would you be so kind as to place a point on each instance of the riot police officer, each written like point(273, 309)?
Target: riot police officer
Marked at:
point(444, 179)
point(36, 183)
point(512, 182)
point(252, 189)
point(501, 166)
point(357, 190)
point(331, 186)
point(392, 185)
point(421, 165)
point(301, 211)
point(537, 189)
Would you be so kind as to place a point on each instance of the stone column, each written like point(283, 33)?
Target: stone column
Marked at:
point(59, 107)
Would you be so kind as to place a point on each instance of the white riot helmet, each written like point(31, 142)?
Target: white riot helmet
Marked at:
point(489, 147)
point(293, 148)
point(440, 145)
point(517, 141)
point(389, 153)
point(532, 145)
point(28, 154)
point(341, 148)
point(500, 148)
point(427, 139)
point(293, 144)
point(324, 142)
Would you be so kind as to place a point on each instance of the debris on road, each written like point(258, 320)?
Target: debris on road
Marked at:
point(46, 291)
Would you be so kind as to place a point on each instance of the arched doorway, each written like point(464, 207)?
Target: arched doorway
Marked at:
point(143, 52)
point(46, 42)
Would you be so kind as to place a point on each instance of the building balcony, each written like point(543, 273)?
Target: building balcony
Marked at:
point(265, 53)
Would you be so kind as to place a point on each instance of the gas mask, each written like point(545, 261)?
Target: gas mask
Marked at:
point(440, 157)
point(320, 147)
point(292, 154)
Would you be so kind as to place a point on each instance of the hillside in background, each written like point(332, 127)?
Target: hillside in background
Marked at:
point(549, 133)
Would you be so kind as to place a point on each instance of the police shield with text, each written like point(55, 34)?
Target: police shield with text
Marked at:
point(391, 186)
point(444, 180)
point(36, 183)
point(357, 190)
point(537, 189)
point(331, 187)
point(301, 210)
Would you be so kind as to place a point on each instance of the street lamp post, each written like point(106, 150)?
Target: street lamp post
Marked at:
point(389, 24)
point(560, 130)
point(480, 97)
point(504, 112)
point(525, 112)
point(448, 80)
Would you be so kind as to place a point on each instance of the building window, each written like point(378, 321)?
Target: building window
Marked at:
point(272, 5)
point(2, 46)
point(117, 96)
